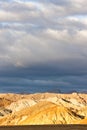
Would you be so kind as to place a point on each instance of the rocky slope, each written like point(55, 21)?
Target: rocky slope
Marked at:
point(45, 108)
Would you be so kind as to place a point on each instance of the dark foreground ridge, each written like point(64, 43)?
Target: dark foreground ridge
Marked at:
point(46, 127)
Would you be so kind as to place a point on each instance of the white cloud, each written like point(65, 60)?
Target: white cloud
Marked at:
point(22, 48)
point(37, 32)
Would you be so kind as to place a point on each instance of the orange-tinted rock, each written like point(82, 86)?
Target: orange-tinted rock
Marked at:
point(43, 108)
point(49, 113)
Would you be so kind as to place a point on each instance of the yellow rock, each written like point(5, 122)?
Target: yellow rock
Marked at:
point(45, 108)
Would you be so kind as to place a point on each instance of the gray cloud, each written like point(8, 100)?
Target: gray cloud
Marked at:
point(41, 41)
point(41, 11)
point(59, 84)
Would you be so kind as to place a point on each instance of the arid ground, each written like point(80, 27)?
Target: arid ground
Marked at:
point(43, 109)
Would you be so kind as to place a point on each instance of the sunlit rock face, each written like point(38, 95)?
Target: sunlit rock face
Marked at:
point(43, 108)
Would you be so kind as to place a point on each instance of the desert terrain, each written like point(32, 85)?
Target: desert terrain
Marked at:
point(42, 109)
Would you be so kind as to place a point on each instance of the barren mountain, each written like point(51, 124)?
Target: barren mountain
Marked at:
point(43, 108)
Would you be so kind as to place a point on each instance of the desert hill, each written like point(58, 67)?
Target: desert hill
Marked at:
point(43, 108)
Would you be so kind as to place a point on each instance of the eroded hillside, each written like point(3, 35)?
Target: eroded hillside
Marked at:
point(45, 108)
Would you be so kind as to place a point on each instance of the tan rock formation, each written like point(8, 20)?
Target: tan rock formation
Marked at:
point(43, 108)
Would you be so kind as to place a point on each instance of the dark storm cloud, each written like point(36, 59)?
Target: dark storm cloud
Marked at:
point(41, 41)
point(53, 70)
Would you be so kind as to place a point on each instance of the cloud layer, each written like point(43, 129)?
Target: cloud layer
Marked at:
point(43, 39)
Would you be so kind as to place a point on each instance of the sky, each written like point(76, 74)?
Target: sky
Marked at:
point(43, 45)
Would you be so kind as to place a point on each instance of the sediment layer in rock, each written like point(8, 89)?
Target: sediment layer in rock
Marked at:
point(43, 108)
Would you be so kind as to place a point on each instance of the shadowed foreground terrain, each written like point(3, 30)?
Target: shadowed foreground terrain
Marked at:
point(46, 127)
point(43, 109)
